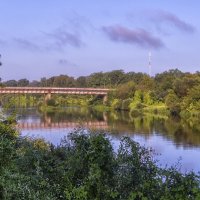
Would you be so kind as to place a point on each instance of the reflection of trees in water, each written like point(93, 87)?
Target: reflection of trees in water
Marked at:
point(124, 123)
point(22, 113)
point(74, 114)
point(182, 132)
point(186, 133)
point(175, 129)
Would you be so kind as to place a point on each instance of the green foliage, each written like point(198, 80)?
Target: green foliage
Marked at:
point(85, 166)
point(51, 102)
point(23, 82)
point(146, 83)
point(192, 100)
point(116, 104)
point(10, 101)
point(81, 81)
point(172, 102)
point(165, 81)
point(137, 100)
point(8, 137)
point(157, 108)
point(63, 80)
point(147, 98)
point(125, 90)
point(146, 92)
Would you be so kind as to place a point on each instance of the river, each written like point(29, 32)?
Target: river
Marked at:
point(172, 139)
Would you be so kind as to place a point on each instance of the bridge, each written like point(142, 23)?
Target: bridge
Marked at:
point(55, 90)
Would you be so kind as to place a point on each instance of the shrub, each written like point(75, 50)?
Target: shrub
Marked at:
point(51, 102)
point(85, 166)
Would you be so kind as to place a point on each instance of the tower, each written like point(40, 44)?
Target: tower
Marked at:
point(150, 63)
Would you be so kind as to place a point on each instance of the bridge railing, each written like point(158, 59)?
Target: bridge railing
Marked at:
point(53, 90)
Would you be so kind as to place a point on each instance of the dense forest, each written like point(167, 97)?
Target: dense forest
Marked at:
point(171, 92)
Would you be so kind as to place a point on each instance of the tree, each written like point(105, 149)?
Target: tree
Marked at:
point(146, 83)
point(165, 81)
point(182, 85)
point(172, 102)
point(34, 83)
point(192, 101)
point(96, 80)
point(63, 81)
point(81, 81)
point(23, 82)
point(11, 83)
point(43, 82)
point(125, 90)
point(116, 77)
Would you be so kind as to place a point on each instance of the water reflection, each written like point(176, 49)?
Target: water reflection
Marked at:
point(171, 137)
point(70, 118)
point(173, 129)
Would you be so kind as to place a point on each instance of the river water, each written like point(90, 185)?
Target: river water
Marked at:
point(172, 139)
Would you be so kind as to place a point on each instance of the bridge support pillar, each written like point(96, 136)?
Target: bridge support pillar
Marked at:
point(47, 97)
point(105, 118)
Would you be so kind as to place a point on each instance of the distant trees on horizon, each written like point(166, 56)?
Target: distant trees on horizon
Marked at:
point(104, 79)
point(177, 90)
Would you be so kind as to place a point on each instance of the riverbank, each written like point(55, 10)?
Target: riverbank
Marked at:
point(140, 104)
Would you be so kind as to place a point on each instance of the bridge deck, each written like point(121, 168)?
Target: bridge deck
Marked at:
point(53, 90)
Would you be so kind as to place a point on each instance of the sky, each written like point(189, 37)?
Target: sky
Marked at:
point(44, 38)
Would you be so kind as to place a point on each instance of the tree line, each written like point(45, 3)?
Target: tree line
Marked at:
point(100, 79)
point(177, 91)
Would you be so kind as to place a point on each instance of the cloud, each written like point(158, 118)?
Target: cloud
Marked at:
point(79, 23)
point(166, 17)
point(61, 38)
point(26, 44)
point(54, 40)
point(65, 35)
point(140, 37)
point(58, 40)
point(66, 62)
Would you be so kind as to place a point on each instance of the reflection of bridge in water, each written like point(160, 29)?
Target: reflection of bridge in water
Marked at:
point(55, 125)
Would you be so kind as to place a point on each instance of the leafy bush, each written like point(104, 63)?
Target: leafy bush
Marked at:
point(85, 166)
point(116, 104)
point(172, 102)
point(51, 102)
point(125, 90)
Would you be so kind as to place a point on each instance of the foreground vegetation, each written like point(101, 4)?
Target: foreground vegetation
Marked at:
point(85, 166)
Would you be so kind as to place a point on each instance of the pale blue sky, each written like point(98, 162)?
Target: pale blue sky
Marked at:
point(78, 37)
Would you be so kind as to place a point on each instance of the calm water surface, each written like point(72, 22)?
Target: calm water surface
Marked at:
point(172, 139)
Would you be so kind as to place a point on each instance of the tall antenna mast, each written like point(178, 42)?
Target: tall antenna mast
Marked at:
point(150, 63)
